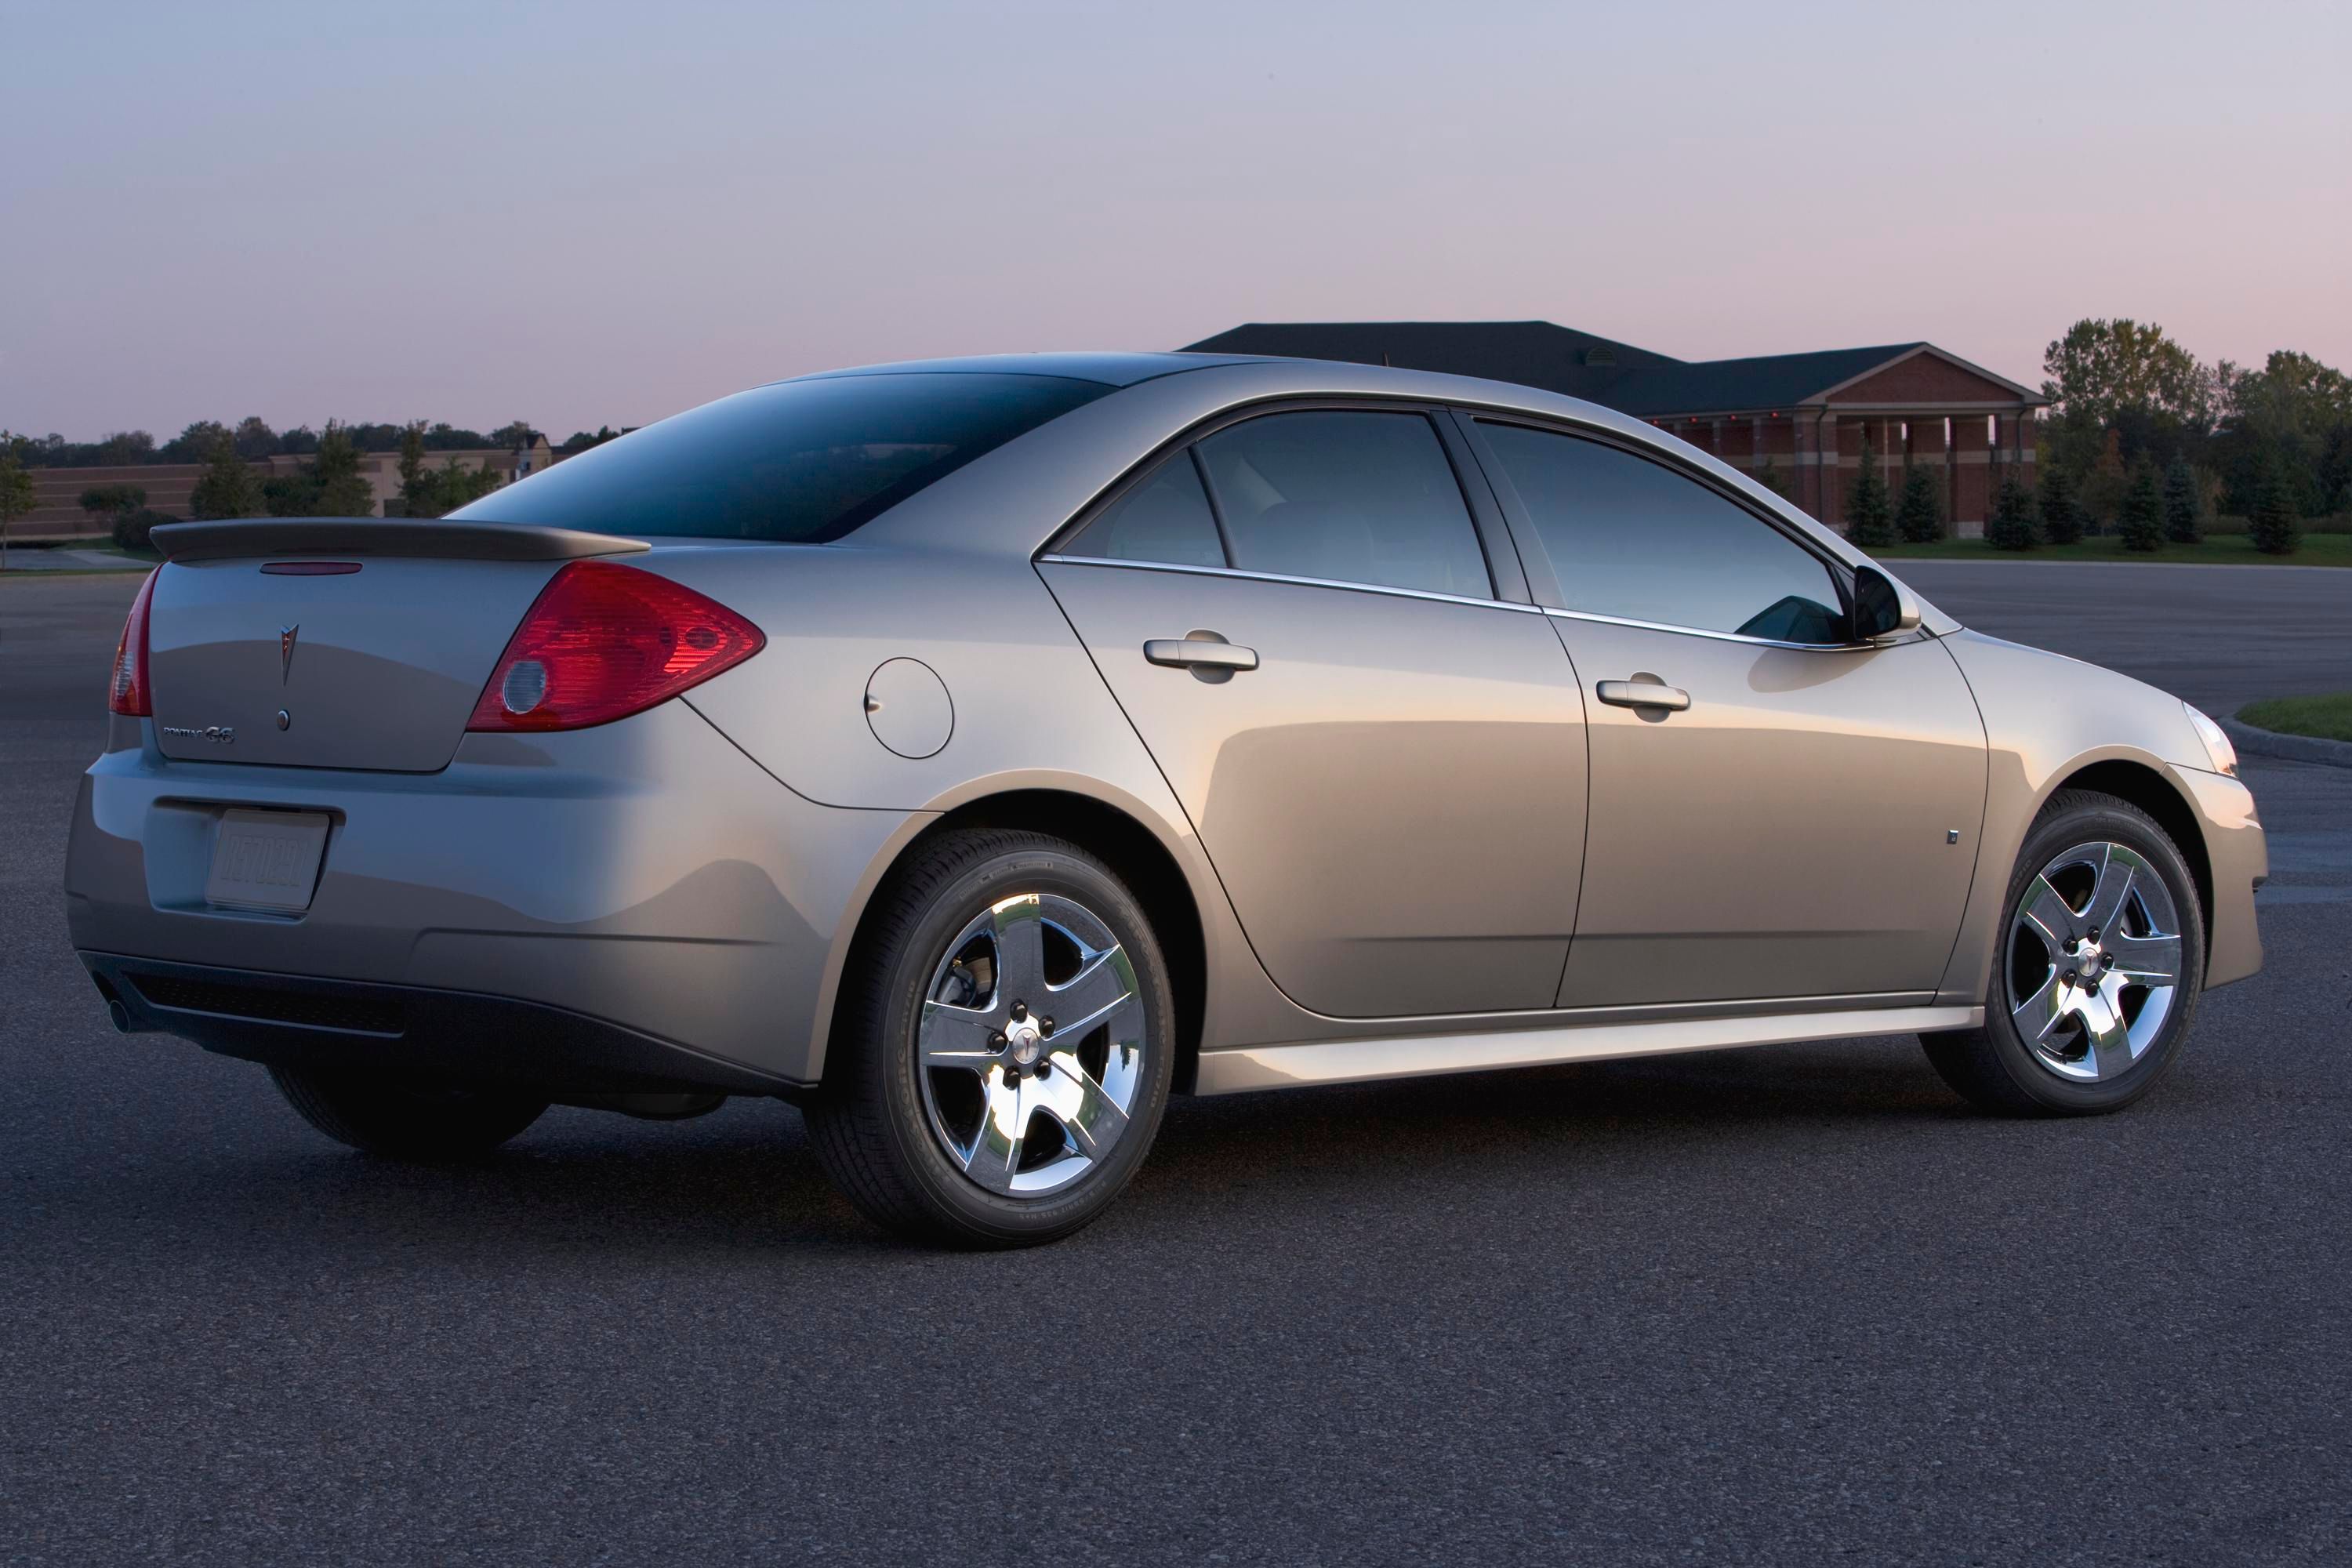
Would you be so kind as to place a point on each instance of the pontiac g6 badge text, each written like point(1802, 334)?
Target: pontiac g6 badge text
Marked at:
point(218, 734)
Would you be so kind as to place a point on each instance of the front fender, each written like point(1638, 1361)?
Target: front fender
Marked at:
point(2048, 719)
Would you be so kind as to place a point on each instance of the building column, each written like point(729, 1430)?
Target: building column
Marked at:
point(1972, 481)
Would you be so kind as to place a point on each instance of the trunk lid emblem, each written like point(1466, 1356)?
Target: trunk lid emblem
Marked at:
point(285, 636)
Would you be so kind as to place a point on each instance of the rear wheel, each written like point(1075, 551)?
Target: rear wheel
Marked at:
point(405, 1119)
point(2098, 972)
point(1003, 1053)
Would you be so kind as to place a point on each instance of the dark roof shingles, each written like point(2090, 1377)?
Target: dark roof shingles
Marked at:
point(1556, 358)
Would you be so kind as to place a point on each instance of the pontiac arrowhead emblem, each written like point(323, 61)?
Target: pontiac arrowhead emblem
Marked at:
point(285, 636)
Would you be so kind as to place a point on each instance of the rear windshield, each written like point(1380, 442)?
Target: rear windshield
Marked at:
point(800, 461)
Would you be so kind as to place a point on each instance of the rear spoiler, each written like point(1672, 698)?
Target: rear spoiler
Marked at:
point(441, 537)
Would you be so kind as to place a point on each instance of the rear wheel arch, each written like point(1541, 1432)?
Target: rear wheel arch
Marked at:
point(1131, 851)
point(2136, 783)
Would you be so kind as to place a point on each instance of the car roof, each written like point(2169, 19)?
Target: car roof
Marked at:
point(1107, 369)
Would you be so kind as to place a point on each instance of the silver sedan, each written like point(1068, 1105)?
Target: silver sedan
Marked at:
point(975, 752)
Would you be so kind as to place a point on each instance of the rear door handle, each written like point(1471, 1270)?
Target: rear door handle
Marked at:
point(1642, 694)
point(1199, 653)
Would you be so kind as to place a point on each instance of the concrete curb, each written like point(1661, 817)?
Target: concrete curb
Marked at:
point(2258, 742)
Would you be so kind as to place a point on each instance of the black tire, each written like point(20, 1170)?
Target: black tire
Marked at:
point(1994, 1067)
point(868, 1121)
point(404, 1119)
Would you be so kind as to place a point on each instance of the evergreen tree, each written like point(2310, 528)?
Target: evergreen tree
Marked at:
point(412, 468)
point(227, 488)
point(344, 489)
point(1869, 519)
point(2062, 515)
point(2140, 518)
point(1769, 476)
point(2274, 521)
point(15, 487)
point(2012, 526)
point(2180, 501)
point(1919, 515)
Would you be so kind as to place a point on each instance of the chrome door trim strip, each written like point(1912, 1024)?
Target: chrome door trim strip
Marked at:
point(1420, 1056)
point(1411, 1024)
point(1719, 636)
point(1298, 582)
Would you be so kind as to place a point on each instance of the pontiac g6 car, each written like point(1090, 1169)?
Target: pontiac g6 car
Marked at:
point(975, 752)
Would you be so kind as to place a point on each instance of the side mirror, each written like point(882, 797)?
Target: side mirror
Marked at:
point(1882, 606)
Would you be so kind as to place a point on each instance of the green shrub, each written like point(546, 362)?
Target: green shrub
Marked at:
point(2182, 503)
point(112, 500)
point(1869, 519)
point(2140, 521)
point(2012, 526)
point(1919, 517)
point(132, 528)
point(2274, 521)
point(2062, 513)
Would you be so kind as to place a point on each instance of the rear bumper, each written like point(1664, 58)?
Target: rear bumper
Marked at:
point(643, 888)
point(293, 1021)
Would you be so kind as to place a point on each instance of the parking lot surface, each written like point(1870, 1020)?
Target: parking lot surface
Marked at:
point(1788, 1305)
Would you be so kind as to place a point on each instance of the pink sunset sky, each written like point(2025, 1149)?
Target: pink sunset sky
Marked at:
point(581, 214)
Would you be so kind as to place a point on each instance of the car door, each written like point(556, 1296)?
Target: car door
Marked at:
point(1777, 812)
point(1385, 762)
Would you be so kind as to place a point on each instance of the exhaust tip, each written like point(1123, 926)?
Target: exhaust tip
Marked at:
point(119, 1015)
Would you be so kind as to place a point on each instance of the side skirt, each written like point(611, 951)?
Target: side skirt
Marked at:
point(1420, 1056)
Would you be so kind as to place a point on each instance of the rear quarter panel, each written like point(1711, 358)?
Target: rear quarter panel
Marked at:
point(1030, 712)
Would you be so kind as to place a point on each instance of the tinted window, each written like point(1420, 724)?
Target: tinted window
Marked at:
point(1166, 518)
point(1357, 498)
point(802, 461)
point(1631, 538)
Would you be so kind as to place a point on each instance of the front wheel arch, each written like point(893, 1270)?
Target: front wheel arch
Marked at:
point(2151, 791)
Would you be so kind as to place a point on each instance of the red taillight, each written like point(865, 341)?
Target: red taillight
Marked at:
point(605, 641)
point(129, 693)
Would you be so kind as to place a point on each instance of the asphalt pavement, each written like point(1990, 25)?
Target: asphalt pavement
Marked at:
point(1790, 1305)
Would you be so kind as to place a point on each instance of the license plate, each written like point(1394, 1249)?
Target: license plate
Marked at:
point(267, 859)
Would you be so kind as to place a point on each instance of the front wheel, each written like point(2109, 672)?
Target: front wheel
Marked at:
point(1004, 1049)
point(2097, 970)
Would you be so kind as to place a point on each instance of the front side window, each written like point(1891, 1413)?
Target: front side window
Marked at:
point(798, 462)
point(1348, 496)
point(1166, 518)
point(1634, 539)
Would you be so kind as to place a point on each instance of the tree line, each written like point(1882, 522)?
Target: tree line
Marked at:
point(2143, 440)
point(254, 439)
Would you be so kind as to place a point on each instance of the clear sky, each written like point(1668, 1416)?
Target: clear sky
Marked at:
point(581, 214)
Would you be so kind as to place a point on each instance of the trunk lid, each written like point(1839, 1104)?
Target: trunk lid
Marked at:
point(264, 649)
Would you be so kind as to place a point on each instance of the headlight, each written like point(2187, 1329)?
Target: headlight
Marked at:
point(2217, 744)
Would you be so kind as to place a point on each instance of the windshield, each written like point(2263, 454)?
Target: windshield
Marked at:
point(799, 462)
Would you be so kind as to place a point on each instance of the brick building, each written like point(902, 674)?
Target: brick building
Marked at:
point(1808, 414)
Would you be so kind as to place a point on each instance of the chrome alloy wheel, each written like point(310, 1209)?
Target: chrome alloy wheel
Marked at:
point(2094, 961)
point(1030, 1045)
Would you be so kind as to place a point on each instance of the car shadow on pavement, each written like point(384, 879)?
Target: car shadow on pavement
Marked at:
point(745, 1181)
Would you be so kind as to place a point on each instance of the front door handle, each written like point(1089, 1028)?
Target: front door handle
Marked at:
point(1205, 654)
point(1649, 693)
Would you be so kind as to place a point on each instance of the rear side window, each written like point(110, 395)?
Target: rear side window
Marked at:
point(1164, 519)
point(1634, 539)
point(1348, 496)
point(800, 461)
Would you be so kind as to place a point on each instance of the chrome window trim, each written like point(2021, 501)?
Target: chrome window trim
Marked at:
point(1459, 599)
point(1295, 581)
point(1718, 637)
